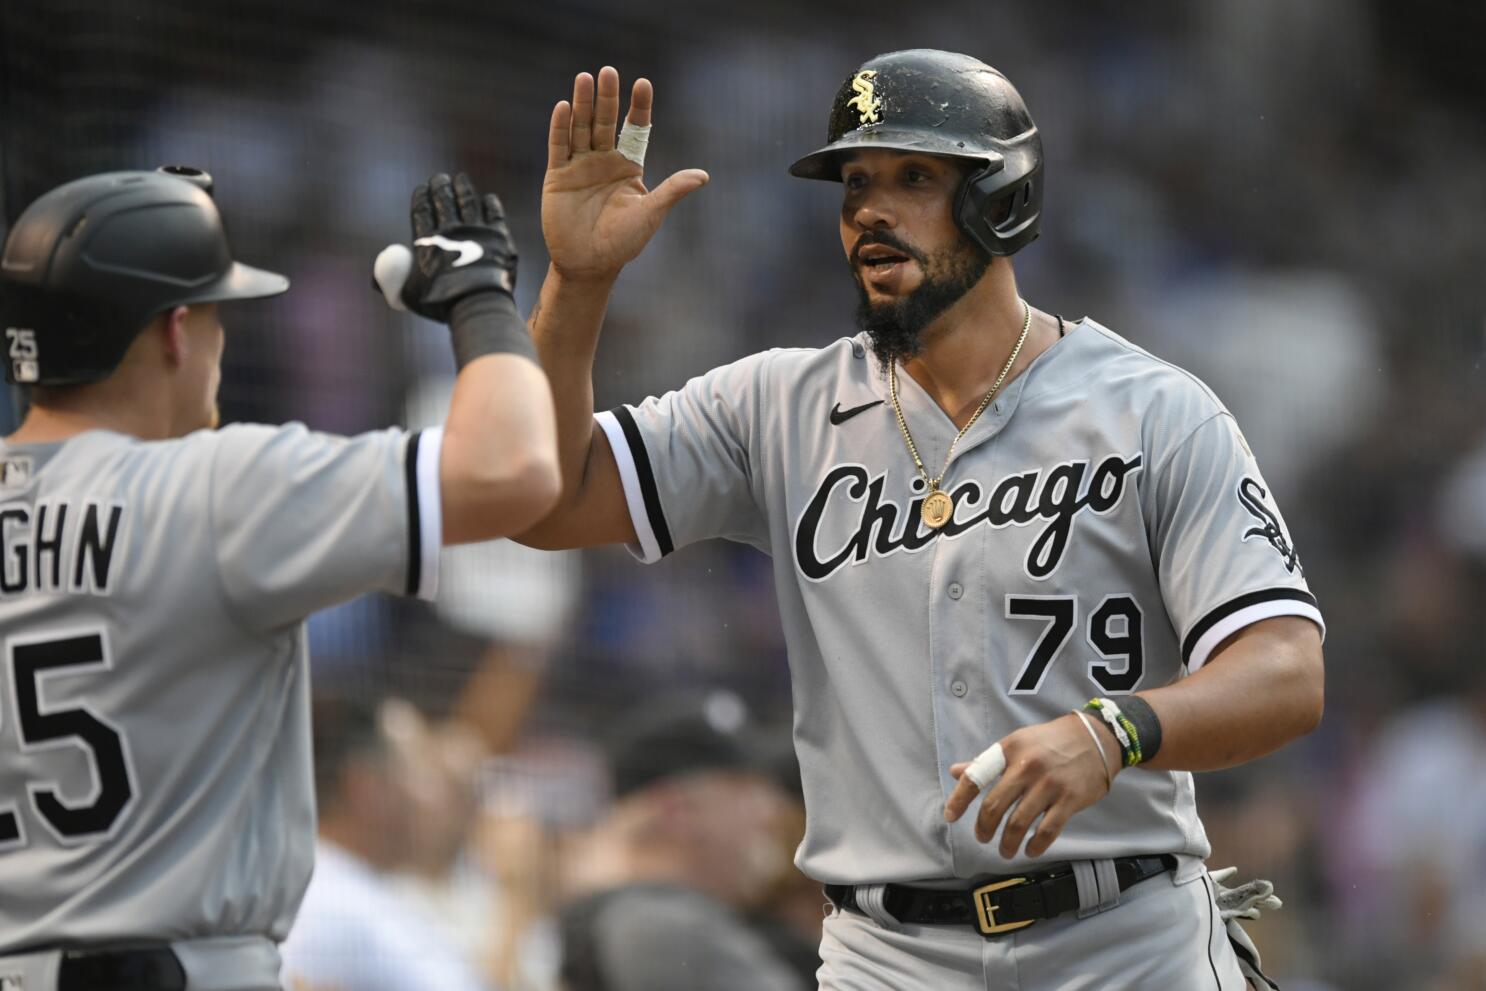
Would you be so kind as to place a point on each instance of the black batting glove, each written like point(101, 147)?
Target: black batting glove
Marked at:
point(461, 246)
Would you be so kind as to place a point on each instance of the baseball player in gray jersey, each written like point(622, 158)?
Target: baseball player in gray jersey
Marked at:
point(157, 820)
point(1017, 558)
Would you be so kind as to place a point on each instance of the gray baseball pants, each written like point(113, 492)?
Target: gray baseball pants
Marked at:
point(1164, 935)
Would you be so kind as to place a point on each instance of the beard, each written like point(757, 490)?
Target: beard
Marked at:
point(895, 328)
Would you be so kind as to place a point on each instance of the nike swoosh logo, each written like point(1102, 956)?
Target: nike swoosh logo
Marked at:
point(840, 416)
point(469, 251)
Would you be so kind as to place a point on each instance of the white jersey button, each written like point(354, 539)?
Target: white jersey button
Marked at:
point(955, 590)
point(959, 688)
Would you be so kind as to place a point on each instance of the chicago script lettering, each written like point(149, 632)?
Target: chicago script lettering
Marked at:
point(881, 526)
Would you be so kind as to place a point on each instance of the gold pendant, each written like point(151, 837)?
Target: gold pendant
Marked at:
point(937, 509)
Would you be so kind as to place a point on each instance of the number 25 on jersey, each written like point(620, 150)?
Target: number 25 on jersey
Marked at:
point(41, 728)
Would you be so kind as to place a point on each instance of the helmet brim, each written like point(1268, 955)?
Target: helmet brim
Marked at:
point(242, 282)
point(825, 163)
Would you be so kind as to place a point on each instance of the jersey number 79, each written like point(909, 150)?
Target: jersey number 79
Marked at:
point(1114, 631)
point(41, 728)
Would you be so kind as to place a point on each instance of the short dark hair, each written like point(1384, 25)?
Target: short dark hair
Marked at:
point(679, 735)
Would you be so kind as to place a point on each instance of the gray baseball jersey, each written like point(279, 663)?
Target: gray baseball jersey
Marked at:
point(155, 767)
point(1110, 529)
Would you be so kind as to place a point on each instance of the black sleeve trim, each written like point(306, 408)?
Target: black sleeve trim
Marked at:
point(1234, 605)
point(415, 523)
point(648, 488)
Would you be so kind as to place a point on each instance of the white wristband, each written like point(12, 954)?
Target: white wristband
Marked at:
point(986, 768)
point(1094, 735)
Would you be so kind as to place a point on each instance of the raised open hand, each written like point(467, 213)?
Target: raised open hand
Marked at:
point(597, 214)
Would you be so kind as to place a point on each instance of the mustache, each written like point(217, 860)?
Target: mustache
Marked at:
point(889, 240)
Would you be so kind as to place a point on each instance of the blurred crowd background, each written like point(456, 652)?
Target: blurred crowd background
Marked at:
point(1287, 198)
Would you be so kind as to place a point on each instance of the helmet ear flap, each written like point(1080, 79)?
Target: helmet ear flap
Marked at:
point(998, 210)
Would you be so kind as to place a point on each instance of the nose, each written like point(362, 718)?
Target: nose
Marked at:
point(873, 211)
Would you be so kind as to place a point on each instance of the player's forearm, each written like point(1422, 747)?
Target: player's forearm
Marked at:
point(565, 326)
point(1259, 692)
point(498, 470)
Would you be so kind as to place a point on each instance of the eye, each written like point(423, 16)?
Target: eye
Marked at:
point(855, 181)
point(917, 177)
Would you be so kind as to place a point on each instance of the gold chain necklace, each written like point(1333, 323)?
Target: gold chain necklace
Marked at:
point(938, 505)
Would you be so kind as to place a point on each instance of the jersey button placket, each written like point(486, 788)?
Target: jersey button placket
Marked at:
point(957, 688)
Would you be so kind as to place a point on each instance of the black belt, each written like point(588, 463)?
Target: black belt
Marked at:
point(139, 968)
point(1000, 904)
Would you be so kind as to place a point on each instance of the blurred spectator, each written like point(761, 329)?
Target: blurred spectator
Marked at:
point(516, 601)
point(791, 914)
point(1463, 505)
point(687, 848)
point(537, 803)
point(515, 605)
point(354, 933)
point(441, 874)
point(1420, 814)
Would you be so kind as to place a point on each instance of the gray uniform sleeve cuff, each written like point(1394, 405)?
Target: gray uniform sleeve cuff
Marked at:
point(1243, 611)
point(425, 512)
point(640, 491)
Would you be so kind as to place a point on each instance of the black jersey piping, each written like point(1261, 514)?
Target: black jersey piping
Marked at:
point(1234, 605)
point(415, 521)
point(648, 489)
point(1217, 981)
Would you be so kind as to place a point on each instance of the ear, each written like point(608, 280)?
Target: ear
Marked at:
point(174, 336)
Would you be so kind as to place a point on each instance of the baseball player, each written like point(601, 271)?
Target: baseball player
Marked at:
point(157, 819)
point(1030, 575)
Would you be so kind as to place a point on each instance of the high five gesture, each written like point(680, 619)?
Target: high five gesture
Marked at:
point(597, 214)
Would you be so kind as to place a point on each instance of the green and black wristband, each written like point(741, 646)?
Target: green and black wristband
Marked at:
point(1134, 725)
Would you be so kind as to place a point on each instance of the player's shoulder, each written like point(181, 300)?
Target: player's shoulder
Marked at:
point(1111, 366)
point(798, 367)
point(105, 458)
point(791, 360)
point(290, 442)
point(198, 443)
point(201, 450)
point(790, 370)
point(232, 461)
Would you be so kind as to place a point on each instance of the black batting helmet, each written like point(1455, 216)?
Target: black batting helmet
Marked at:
point(88, 265)
point(942, 103)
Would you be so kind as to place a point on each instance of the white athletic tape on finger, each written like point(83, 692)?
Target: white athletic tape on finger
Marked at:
point(986, 768)
point(633, 139)
point(391, 270)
